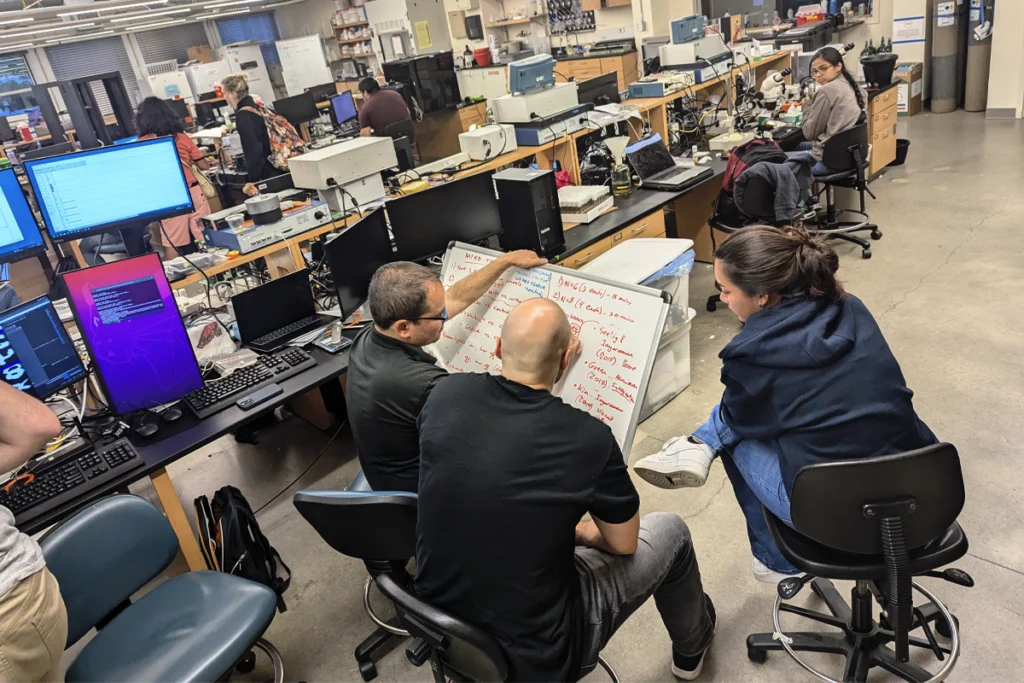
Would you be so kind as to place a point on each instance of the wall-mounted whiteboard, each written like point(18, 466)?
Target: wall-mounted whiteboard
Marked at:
point(303, 64)
point(618, 325)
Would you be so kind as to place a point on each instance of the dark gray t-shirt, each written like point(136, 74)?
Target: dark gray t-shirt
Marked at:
point(388, 383)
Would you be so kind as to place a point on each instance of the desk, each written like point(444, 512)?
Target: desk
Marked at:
point(157, 455)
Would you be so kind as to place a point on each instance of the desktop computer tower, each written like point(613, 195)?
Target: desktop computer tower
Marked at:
point(528, 205)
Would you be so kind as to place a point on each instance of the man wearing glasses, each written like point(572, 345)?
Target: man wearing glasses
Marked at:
point(389, 373)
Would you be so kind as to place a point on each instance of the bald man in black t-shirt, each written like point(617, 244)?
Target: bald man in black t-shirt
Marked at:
point(507, 471)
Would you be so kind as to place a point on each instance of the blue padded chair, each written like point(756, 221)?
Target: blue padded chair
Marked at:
point(377, 527)
point(194, 627)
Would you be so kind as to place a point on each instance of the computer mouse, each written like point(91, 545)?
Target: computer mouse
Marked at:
point(147, 430)
point(172, 414)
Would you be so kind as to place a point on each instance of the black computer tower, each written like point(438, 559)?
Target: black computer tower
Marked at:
point(528, 205)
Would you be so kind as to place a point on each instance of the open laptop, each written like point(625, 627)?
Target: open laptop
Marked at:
point(657, 169)
point(271, 315)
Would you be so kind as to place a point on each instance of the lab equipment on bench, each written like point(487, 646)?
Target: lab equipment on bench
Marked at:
point(38, 356)
point(488, 141)
point(535, 103)
point(351, 167)
point(688, 28)
point(248, 238)
point(528, 204)
point(531, 73)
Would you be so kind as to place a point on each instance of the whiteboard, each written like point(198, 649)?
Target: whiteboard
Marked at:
point(303, 64)
point(618, 325)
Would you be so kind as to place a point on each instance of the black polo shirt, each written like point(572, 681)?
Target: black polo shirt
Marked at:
point(506, 473)
point(388, 382)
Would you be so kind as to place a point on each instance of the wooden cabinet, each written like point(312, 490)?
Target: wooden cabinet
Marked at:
point(473, 114)
point(651, 225)
point(625, 66)
point(882, 130)
point(584, 256)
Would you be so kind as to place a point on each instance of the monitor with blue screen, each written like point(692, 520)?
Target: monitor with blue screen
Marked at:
point(19, 233)
point(129, 320)
point(110, 188)
point(37, 355)
point(343, 108)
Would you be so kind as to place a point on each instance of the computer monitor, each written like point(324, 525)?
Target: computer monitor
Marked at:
point(355, 255)
point(129, 320)
point(109, 188)
point(180, 108)
point(273, 305)
point(19, 233)
point(38, 357)
point(47, 151)
point(297, 109)
point(603, 89)
point(324, 92)
point(425, 222)
point(343, 108)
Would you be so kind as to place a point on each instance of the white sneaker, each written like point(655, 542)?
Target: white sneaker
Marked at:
point(765, 575)
point(680, 462)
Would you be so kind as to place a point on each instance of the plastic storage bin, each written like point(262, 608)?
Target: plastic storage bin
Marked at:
point(671, 372)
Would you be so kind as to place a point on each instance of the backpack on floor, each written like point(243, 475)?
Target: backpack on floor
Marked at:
point(285, 142)
point(232, 542)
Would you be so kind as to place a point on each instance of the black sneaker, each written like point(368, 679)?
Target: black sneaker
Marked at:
point(688, 667)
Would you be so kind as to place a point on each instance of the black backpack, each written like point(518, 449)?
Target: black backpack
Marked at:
point(232, 542)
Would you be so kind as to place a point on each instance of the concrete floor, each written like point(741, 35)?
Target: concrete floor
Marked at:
point(944, 285)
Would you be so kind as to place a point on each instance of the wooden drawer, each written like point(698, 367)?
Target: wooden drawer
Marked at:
point(882, 120)
point(648, 226)
point(883, 148)
point(884, 101)
point(584, 256)
point(583, 69)
point(609, 64)
point(472, 113)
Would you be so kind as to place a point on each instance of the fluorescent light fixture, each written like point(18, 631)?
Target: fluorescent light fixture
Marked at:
point(15, 47)
point(147, 15)
point(230, 3)
point(88, 9)
point(143, 27)
point(70, 27)
point(23, 20)
point(216, 15)
point(84, 36)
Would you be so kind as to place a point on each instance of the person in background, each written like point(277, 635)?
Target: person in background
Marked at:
point(380, 109)
point(33, 619)
point(252, 129)
point(389, 373)
point(838, 105)
point(180, 234)
point(508, 472)
point(809, 379)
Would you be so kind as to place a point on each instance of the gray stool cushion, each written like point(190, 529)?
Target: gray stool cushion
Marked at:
point(360, 483)
point(191, 628)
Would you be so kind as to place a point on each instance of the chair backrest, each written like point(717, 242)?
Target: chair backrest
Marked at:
point(462, 647)
point(837, 155)
point(829, 499)
point(759, 200)
point(366, 525)
point(401, 129)
point(104, 554)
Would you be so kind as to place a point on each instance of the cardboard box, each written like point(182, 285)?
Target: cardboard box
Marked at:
point(910, 89)
point(200, 53)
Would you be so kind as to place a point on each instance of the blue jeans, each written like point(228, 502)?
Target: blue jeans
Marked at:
point(753, 468)
point(819, 168)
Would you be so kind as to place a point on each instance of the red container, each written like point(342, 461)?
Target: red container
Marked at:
point(482, 57)
point(26, 133)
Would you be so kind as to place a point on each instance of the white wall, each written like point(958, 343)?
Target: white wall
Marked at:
point(1006, 77)
point(305, 19)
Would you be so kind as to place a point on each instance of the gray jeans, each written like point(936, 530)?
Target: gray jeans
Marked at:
point(664, 565)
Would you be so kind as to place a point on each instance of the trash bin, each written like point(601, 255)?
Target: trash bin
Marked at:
point(902, 147)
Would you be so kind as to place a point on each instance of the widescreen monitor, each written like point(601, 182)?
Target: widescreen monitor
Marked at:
point(37, 355)
point(109, 188)
point(343, 108)
point(298, 108)
point(129, 320)
point(19, 233)
point(355, 255)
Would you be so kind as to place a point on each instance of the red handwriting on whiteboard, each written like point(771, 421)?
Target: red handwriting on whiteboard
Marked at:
point(626, 366)
point(606, 357)
point(598, 379)
point(623, 393)
point(597, 368)
point(615, 349)
point(626, 382)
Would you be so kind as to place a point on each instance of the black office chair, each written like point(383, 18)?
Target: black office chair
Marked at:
point(401, 129)
point(377, 527)
point(456, 650)
point(879, 522)
point(847, 154)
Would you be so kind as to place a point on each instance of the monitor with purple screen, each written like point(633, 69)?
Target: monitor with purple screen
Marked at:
point(130, 323)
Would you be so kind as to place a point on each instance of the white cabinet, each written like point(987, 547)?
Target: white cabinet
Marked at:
point(466, 4)
point(491, 82)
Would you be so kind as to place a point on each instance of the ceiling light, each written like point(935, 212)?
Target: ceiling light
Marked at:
point(23, 20)
point(47, 30)
point(230, 3)
point(84, 36)
point(113, 8)
point(215, 15)
point(143, 27)
point(15, 47)
point(147, 15)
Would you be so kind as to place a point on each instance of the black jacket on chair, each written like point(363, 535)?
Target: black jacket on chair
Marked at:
point(818, 382)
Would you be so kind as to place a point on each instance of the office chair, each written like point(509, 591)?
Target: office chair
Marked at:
point(456, 650)
point(847, 154)
point(377, 527)
point(879, 522)
point(195, 627)
point(401, 129)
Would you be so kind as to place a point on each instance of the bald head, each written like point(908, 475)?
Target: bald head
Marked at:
point(534, 339)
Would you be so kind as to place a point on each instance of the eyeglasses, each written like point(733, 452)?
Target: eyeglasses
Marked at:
point(822, 70)
point(443, 317)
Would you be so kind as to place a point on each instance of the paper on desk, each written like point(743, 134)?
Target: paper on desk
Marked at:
point(310, 336)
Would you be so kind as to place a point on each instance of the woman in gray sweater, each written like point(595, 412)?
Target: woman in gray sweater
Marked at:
point(838, 105)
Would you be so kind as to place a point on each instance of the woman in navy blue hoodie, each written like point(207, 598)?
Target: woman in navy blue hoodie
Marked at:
point(808, 379)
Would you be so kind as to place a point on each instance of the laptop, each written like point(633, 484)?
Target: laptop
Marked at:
point(657, 169)
point(276, 312)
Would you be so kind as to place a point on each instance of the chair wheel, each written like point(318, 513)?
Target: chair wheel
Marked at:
point(247, 663)
point(876, 234)
point(757, 656)
point(866, 253)
point(942, 627)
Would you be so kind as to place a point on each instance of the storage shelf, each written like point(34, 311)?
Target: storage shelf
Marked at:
point(358, 23)
point(514, 22)
point(348, 41)
point(360, 54)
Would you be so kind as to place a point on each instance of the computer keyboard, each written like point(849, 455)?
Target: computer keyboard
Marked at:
point(270, 368)
point(62, 480)
point(299, 325)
